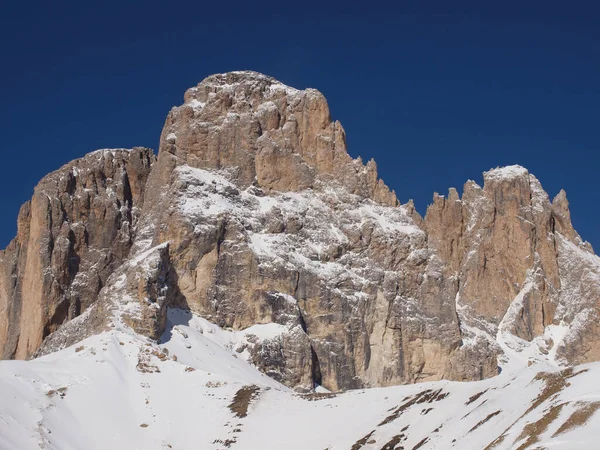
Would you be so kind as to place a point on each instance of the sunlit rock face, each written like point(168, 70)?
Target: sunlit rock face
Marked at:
point(76, 230)
point(254, 213)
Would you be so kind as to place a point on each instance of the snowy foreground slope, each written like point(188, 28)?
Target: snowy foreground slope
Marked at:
point(117, 390)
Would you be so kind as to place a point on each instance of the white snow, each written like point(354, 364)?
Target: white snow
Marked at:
point(196, 104)
point(92, 396)
point(506, 173)
point(282, 87)
point(557, 334)
point(327, 219)
point(112, 151)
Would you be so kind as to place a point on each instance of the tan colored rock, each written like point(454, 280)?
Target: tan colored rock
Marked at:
point(520, 264)
point(493, 240)
point(228, 158)
point(263, 130)
point(76, 230)
point(562, 221)
point(254, 213)
point(444, 220)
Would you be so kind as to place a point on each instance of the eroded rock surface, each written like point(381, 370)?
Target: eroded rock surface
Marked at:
point(520, 264)
point(254, 213)
point(77, 229)
point(260, 201)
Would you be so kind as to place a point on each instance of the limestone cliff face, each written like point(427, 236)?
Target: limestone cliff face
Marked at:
point(75, 231)
point(269, 220)
point(254, 213)
point(268, 134)
point(517, 259)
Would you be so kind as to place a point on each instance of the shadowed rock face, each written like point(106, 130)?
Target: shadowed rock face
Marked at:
point(254, 213)
point(75, 231)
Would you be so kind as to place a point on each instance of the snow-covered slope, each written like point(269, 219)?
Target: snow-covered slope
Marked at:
point(195, 390)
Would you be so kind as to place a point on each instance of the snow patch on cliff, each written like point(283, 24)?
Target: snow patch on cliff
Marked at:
point(505, 173)
point(303, 230)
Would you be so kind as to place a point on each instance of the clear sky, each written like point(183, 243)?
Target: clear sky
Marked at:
point(437, 92)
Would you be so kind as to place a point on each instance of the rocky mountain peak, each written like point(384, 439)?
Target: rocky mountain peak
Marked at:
point(506, 173)
point(268, 134)
point(244, 83)
point(255, 214)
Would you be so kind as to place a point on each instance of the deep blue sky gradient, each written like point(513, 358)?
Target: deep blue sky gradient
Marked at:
point(435, 92)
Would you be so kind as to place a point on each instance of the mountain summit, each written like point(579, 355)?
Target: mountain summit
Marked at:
point(254, 214)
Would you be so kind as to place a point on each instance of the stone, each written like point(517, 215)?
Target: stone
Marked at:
point(77, 229)
point(516, 257)
point(254, 213)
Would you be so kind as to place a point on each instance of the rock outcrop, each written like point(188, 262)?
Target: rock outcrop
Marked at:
point(268, 135)
point(520, 264)
point(254, 213)
point(77, 229)
point(260, 201)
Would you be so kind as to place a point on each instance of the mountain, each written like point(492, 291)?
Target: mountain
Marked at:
point(76, 230)
point(255, 245)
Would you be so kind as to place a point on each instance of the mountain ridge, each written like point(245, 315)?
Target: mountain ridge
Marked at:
point(253, 213)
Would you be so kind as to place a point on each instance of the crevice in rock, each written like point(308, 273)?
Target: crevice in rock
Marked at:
point(543, 315)
point(317, 377)
point(458, 321)
point(301, 320)
point(296, 285)
point(128, 197)
point(553, 230)
point(221, 231)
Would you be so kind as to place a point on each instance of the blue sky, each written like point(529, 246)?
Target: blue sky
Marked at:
point(435, 92)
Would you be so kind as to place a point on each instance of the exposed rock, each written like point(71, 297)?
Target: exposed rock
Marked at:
point(520, 264)
point(579, 301)
point(358, 276)
point(254, 213)
point(277, 137)
point(259, 198)
point(135, 297)
point(78, 227)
